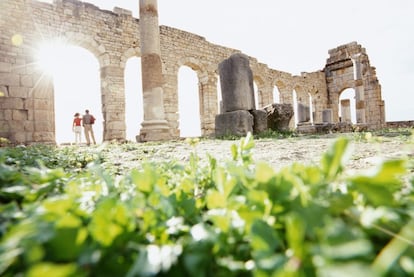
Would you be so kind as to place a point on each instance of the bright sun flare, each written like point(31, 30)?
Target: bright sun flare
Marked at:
point(48, 56)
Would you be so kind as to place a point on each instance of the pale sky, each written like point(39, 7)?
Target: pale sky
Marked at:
point(294, 36)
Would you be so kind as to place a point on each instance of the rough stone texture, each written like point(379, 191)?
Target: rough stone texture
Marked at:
point(279, 116)
point(155, 126)
point(340, 75)
point(327, 116)
point(236, 79)
point(306, 128)
point(303, 113)
point(346, 111)
point(237, 123)
point(259, 121)
point(114, 36)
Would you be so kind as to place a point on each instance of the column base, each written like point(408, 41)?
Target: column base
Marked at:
point(306, 128)
point(154, 130)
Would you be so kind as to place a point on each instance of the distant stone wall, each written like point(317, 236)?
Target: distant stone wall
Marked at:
point(400, 124)
point(27, 105)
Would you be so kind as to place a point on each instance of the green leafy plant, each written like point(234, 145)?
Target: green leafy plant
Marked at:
point(233, 217)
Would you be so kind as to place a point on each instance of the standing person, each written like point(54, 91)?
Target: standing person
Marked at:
point(87, 121)
point(77, 128)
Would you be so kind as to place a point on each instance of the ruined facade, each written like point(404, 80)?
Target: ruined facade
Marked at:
point(27, 99)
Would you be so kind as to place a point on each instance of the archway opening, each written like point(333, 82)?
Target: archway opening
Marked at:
point(276, 95)
point(219, 96)
point(76, 80)
point(256, 96)
point(134, 110)
point(346, 106)
point(310, 108)
point(189, 121)
point(295, 108)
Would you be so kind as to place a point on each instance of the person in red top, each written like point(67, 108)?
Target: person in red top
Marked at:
point(77, 128)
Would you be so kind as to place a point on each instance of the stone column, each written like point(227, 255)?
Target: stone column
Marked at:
point(208, 102)
point(359, 90)
point(236, 80)
point(113, 103)
point(303, 113)
point(327, 116)
point(346, 111)
point(155, 126)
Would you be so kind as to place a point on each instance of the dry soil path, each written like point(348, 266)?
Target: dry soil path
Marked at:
point(366, 153)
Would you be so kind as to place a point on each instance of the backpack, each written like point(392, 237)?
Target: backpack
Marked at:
point(92, 120)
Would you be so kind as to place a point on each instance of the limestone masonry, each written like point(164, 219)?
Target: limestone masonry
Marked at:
point(27, 101)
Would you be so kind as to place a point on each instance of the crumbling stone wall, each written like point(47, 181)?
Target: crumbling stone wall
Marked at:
point(27, 105)
point(348, 66)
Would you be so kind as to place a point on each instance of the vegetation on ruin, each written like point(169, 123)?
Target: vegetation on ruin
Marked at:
point(72, 211)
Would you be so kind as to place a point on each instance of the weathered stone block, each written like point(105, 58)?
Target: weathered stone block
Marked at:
point(306, 128)
point(259, 121)
point(19, 92)
point(10, 79)
point(327, 116)
point(303, 113)
point(279, 116)
point(237, 123)
point(5, 67)
point(236, 80)
point(19, 115)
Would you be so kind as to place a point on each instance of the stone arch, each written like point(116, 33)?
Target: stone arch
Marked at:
point(129, 53)
point(303, 105)
point(346, 107)
point(87, 42)
point(348, 67)
point(202, 76)
point(188, 97)
point(279, 84)
point(126, 56)
point(69, 41)
point(75, 90)
point(195, 65)
point(112, 83)
point(285, 91)
point(259, 87)
point(282, 88)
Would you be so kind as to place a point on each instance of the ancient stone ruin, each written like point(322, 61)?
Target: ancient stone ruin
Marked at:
point(27, 112)
point(239, 115)
point(279, 116)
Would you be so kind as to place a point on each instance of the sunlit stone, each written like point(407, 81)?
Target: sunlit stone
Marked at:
point(17, 40)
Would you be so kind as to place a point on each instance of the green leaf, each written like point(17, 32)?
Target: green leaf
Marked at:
point(395, 248)
point(66, 243)
point(110, 219)
point(379, 187)
point(355, 269)
point(264, 172)
point(216, 200)
point(333, 160)
point(55, 270)
point(339, 202)
point(375, 195)
point(263, 237)
point(295, 234)
point(145, 179)
point(234, 152)
point(358, 248)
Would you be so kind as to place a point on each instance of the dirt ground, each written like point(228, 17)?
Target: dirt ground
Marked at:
point(367, 150)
